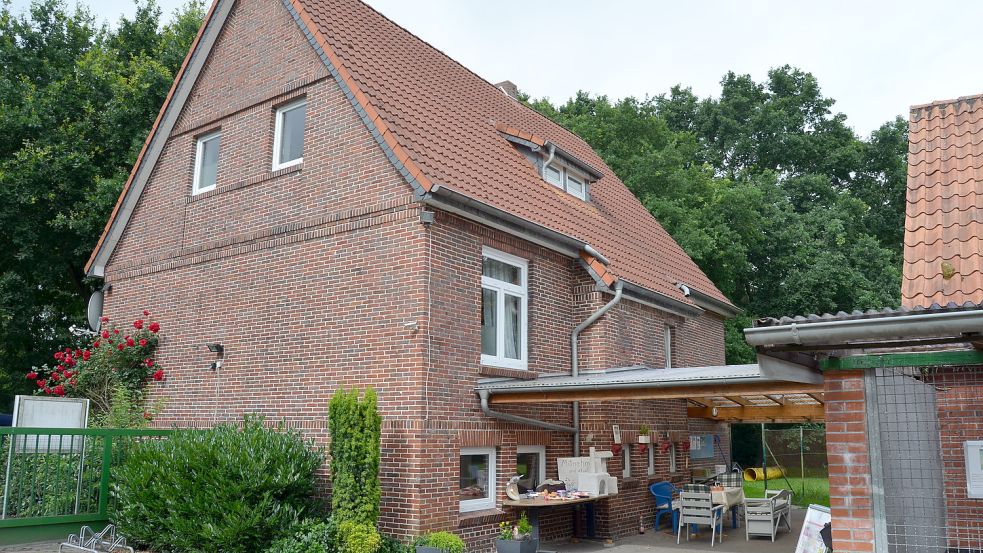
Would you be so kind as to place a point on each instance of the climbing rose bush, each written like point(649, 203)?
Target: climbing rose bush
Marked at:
point(116, 356)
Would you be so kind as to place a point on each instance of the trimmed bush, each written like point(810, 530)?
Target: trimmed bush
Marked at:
point(445, 541)
point(355, 427)
point(357, 537)
point(223, 489)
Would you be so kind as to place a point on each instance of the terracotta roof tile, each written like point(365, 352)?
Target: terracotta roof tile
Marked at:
point(943, 250)
point(449, 121)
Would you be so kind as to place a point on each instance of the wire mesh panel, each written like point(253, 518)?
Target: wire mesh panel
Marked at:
point(918, 420)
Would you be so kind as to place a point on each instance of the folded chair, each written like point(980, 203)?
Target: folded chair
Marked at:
point(764, 515)
point(696, 508)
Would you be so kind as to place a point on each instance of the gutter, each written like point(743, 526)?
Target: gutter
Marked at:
point(619, 288)
point(708, 302)
point(488, 411)
point(830, 333)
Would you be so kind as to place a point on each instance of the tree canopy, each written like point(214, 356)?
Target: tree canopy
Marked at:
point(77, 99)
point(767, 189)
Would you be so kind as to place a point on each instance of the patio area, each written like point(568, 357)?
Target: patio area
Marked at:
point(657, 542)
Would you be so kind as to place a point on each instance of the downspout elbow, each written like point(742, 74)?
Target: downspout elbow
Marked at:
point(489, 412)
point(549, 160)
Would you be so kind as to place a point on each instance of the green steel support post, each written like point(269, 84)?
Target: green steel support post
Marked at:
point(107, 455)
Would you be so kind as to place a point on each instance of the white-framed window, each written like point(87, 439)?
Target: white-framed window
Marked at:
point(626, 460)
point(576, 186)
point(672, 457)
point(667, 347)
point(651, 465)
point(554, 176)
point(206, 162)
point(288, 134)
point(566, 178)
point(530, 463)
point(477, 481)
point(504, 309)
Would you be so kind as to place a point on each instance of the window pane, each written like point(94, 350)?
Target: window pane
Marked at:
point(292, 134)
point(575, 187)
point(208, 163)
point(501, 271)
point(489, 322)
point(527, 465)
point(474, 477)
point(553, 177)
point(513, 324)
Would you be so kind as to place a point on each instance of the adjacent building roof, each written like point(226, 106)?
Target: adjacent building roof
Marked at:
point(943, 260)
point(443, 127)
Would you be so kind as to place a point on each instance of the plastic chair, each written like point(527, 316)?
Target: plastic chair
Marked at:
point(663, 492)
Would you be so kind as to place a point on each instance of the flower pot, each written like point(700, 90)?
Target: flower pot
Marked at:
point(427, 549)
point(644, 439)
point(528, 545)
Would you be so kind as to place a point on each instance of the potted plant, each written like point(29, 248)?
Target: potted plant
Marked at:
point(516, 538)
point(644, 434)
point(439, 542)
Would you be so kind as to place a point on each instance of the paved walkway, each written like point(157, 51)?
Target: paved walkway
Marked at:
point(39, 547)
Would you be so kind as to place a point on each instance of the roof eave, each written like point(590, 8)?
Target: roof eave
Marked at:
point(709, 303)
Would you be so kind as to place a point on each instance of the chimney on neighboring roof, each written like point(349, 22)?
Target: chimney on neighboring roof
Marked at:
point(509, 88)
point(943, 238)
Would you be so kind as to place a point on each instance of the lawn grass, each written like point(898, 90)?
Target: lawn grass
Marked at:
point(816, 489)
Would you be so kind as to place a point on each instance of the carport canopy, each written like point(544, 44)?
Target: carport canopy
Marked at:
point(772, 390)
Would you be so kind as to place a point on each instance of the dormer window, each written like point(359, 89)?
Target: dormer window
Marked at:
point(556, 166)
point(566, 178)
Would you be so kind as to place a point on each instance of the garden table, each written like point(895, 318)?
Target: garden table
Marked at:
point(730, 497)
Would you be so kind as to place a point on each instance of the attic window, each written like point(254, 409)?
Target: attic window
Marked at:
point(567, 178)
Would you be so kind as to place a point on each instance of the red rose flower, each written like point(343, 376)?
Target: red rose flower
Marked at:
point(78, 352)
point(115, 331)
point(42, 383)
point(59, 390)
point(159, 375)
point(47, 390)
point(55, 377)
point(130, 342)
point(72, 382)
point(95, 344)
point(104, 319)
point(69, 361)
point(146, 313)
point(143, 341)
point(138, 324)
point(32, 375)
point(86, 355)
point(149, 362)
point(120, 347)
point(105, 334)
point(68, 374)
point(154, 327)
point(59, 355)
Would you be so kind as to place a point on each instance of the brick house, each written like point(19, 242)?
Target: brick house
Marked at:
point(904, 387)
point(337, 203)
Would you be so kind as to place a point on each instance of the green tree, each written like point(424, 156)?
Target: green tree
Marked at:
point(355, 427)
point(76, 102)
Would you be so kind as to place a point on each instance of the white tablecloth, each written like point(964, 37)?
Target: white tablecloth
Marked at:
point(728, 498)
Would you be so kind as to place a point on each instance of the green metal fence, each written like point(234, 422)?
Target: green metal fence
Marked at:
point(56, 477)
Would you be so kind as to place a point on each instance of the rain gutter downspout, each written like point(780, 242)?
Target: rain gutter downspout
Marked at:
point(574, 364)
point(483, 394)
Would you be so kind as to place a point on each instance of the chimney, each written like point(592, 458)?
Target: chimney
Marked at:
point(509, 88)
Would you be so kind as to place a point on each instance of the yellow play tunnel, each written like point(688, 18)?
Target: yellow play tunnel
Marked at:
point(754, 474)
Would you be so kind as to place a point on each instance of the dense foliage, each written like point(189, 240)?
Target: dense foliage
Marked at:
point(766, 188)
point(355, 427)
point(444, 541)
point(224, 489)
point(77, 99)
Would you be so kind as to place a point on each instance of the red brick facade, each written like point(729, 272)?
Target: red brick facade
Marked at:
point(322, 275)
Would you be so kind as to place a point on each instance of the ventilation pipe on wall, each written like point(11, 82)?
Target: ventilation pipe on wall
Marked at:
point(574, 364)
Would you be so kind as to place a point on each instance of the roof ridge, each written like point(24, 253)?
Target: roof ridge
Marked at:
point(946, 102)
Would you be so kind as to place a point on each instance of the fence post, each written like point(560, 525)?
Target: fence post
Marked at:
point(107, 455)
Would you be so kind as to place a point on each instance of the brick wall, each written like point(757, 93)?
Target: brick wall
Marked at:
point(849, 462)
point(311, 278)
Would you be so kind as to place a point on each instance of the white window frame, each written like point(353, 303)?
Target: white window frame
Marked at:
point(278, 134)
point(667, 345)
point(672, 458)
point(626, 461)
point(583, 186)
point(521, 291)
point(651, 465)
point(541, 451)
point(196, 187)
point(565, 174)
point(490, 501)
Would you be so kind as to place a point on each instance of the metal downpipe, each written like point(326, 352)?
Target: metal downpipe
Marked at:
point(483, 394)
point(574, 363)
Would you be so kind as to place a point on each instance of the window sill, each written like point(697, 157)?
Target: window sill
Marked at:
point(244, 183)
point(522, 374)
point(478, 518)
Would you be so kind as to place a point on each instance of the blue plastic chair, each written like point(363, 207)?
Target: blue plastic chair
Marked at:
point(663, 492)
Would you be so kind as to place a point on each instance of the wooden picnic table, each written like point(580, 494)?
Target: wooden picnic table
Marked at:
point(534, 504)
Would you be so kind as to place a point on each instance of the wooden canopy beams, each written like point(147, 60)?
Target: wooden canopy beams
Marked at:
point(814, 412)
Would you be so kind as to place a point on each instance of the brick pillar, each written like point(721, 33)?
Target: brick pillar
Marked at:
point(849, 462)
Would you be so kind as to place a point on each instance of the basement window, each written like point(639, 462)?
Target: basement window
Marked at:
point(206, 162)
point(477, 479)
point(504, 307)
point(288, 137)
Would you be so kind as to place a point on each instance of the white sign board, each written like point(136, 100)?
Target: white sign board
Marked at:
point(974, 468)
point(49, 412)
point(809, 539)
point(569, 469)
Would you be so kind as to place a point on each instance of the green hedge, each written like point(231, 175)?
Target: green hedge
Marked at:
point(225, 489)
point(356, 428)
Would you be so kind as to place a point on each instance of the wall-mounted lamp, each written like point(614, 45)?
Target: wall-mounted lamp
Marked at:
point(219, 350)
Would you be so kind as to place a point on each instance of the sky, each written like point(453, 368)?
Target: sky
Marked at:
point(875, 58)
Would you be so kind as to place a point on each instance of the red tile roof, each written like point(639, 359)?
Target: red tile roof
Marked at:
point(445, 123)
point(943, 260)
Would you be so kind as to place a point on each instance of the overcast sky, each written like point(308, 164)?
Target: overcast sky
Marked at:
point(875, 58)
